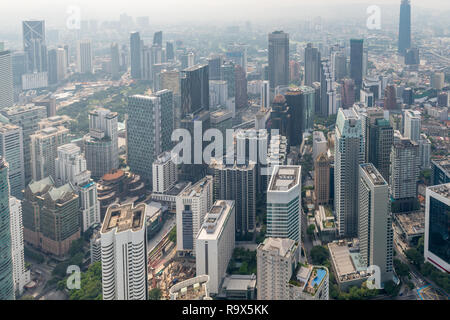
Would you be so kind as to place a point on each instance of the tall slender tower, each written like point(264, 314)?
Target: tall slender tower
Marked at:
point(278, 59)
point(312, 65)
point(404, 34)
point(135, 55)
point(6, 80)
point(356, 62)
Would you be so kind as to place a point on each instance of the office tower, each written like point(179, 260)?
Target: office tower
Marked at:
point(124, 253)
point(294, 71)
point(328, 102)
point(349, 154)
point(348, 93)
point(27, 117)
point(440, 171)
point(404, 34)
point(6, 261)
point(284, 204)
point(187, 60)
point(146, 64)
point(44, 145)
point(312, 64)
point(66, 49)
point(238, 54)
point(164, 173)
point(412, 57)
point(322, 179)
point(34, 45)
point(192, 204)
point(101, 143)
point(278, 59)
point(6, 80)
point(194, 89)
point(356, 62)
point(424, 152)
point(215, 243)
point(227, 74)
point(214, 65)
point(412, 124)
point(404, 171)
point(379, 136)
point(237, 182)
point(320, 144)
point(170, 52)
point(52, 66)
point(443, 100)
point(339, 60)
point(375, 226)
point(85, 57)
point(42, 220)
point(240, 87)
point(438, 80)
point(19, 65)
point(135, 55)
point(218, 93)
point(149, 128)
point(11, 150)
point(437, 207)
point(20, 275)
point(157, 38)
point(265, 95)
point(390, 97)
point(317, 94)
point(115, 59)
point(301, 102)
point(277, 259)
point(71, 167)
point(408, 96)
point(280, 116)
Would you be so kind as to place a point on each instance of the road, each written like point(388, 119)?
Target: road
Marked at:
point(168, 224)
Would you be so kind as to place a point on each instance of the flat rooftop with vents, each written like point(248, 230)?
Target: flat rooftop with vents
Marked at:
point(124, 218)
point(284, 178)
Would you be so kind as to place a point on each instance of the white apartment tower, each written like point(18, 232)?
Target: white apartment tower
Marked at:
point(6, 80)
point(215, 243)
point(85, 57)
point(11, 149)
point(192, 205)
point(164, 173)
point(124, 253)
point(412, 123)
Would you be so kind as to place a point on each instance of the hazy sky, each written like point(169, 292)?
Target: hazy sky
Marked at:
point(159, 11)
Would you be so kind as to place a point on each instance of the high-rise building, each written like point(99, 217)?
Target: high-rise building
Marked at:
point(301, 102)
point(34, 45)
point(195, 89)
point(6, 80)
point(356, 62)
point(124, 253)
point(115, 59)
point(312, 64)
point(237, 182)
point(284, 203)
point(27, 117)
point(11, 150)
point(276, 259)
point(214, 64)
point(228, 74)
point(44, 145)
point(101, 143)
point(135, 55)
point(349, 154)
point(149, 130)
point(241, 99)
point(158, 38)
point(71, 167)
point(57, 65)
point(322, 179)
point(390, 97)
point(20, 274)
point(45, 209)
point(328, 103)
point(348, 93)
point(438, 80)
point(85, 57)
point(265, 95)
point(164, 173)
point(412, 125)
point(192, 205)
point(320, 144)
point(278, 59)
point(440, 171)
point(404, 34)
point(215, 242)
point(170, 52)
point(375, 225)
point(437, 207)
point(6, 261)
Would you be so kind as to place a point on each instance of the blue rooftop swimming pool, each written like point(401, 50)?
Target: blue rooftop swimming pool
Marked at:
point(321, 273)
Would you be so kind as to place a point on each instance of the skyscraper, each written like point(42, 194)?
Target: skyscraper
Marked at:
point(349, 154)
point(34, 45)
point(412, 125)
point(11, 149)
point(390, 97)
point(300, 101)
point(322, 179)
point(375, 226)
point(214, 64)
point(240, 87)
point(195, 89)
point(6, 263)
point(404, 34)
point(312, 64)
point(115, 59)
point(6, 80)
point(124, 253)
point(158, 38)
point(135, 55)
point(85, 57)
point(356, 63)
point(278, 59)
point(164, 173)
point(265, 95)
point(348, 93)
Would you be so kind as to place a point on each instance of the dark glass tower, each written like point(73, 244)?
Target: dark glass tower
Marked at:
point(194, 89)
point(6, 268)
point(356, 62)
point(404, 34)
point(278, 59)
point(135, 52)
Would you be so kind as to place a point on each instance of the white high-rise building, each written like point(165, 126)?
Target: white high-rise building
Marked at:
point(20, 275)
point(85, 57)
point(412, 123)
point(164, 173)
point(11, 149)
point(319, 144)
point(404, 170)
point(192, 205)
point(375, 225)
point(425, 152)
point(265, 95)
point(71, 167)
point(6, 80)
point(61, 64)
point(215, 243)
point(349, 154)
point(124, 253)
point(284, 205)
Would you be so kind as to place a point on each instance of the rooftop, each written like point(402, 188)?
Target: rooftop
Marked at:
point(124, 217)
point(283, 246)
point(215, 219)
point(345, 263)
point(284, 178)
point(196, 189)
point(442, 189)
point(412, 223)
point(372, 173)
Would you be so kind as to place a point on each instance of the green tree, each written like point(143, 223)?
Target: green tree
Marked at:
point(310, 230)
point(319, 255)
point(155, 294)
point(414, 256)
point(401, 268)
point(391, 288)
